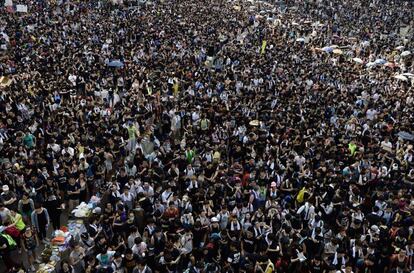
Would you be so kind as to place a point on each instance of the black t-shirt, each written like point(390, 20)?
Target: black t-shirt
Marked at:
point(234, 258)
point(122, 180)
point(73, 188)
point(62, 181)
point(129, 264)
point(7, 196)
point(314, 268)
point(248, 245)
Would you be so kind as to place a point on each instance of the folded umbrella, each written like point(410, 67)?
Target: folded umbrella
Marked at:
point(116, 63)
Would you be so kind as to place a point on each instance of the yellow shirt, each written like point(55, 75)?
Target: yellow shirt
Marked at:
point(216, 156)
point(175, 88)
point(18, 221)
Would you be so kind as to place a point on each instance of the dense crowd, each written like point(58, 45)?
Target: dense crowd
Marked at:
point(220, 136)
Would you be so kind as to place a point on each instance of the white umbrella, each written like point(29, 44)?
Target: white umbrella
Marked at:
point(401, 77)
point(300, 39)
point(408, 74)
point(358, 60)
point(405, 53)
point(380, 61)
point(399, 47)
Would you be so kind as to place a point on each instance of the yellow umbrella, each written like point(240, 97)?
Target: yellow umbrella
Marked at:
point(5, 81)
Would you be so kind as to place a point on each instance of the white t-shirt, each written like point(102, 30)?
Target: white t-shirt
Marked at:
point(371, 113)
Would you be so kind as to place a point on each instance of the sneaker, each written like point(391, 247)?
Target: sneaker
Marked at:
point(37, 261)
point(32, 268)
point(44, 241)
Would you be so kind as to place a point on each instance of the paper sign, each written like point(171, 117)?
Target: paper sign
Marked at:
point(21, 8)
point(8, 3)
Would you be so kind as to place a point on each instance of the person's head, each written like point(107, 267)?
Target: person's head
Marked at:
point(129, 254)
point(118, 257)
point(28, 230)
point(402, 253)
point(76, 246)
point(65, 266)
point(104, 251)
point(138, 240)
point(91, 260)
point(101, 240)
point(370, 260)
point(141, 264)
point(38, 207)
point(5, 188)
point(72, 181)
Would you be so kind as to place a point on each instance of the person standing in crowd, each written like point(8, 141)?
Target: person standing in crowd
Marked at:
point(26, 207)
point(73, 190)
point(8, 198)
point(29, 244)
point(7, 247)
point(40, 221)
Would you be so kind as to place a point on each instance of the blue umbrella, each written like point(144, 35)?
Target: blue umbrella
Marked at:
point(327, 49)
point(116, 63)
point(405, 135)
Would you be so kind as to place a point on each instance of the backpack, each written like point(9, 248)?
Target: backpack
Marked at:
point(13, 232)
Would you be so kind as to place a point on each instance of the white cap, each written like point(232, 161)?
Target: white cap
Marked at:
point(5, 188)
point(97, 210)
point(214, 220)
point(375, 229)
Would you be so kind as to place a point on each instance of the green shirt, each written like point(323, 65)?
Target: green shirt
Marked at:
point(29, 140)
point(132, 132)
point(352, 147)
point(189, 154)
